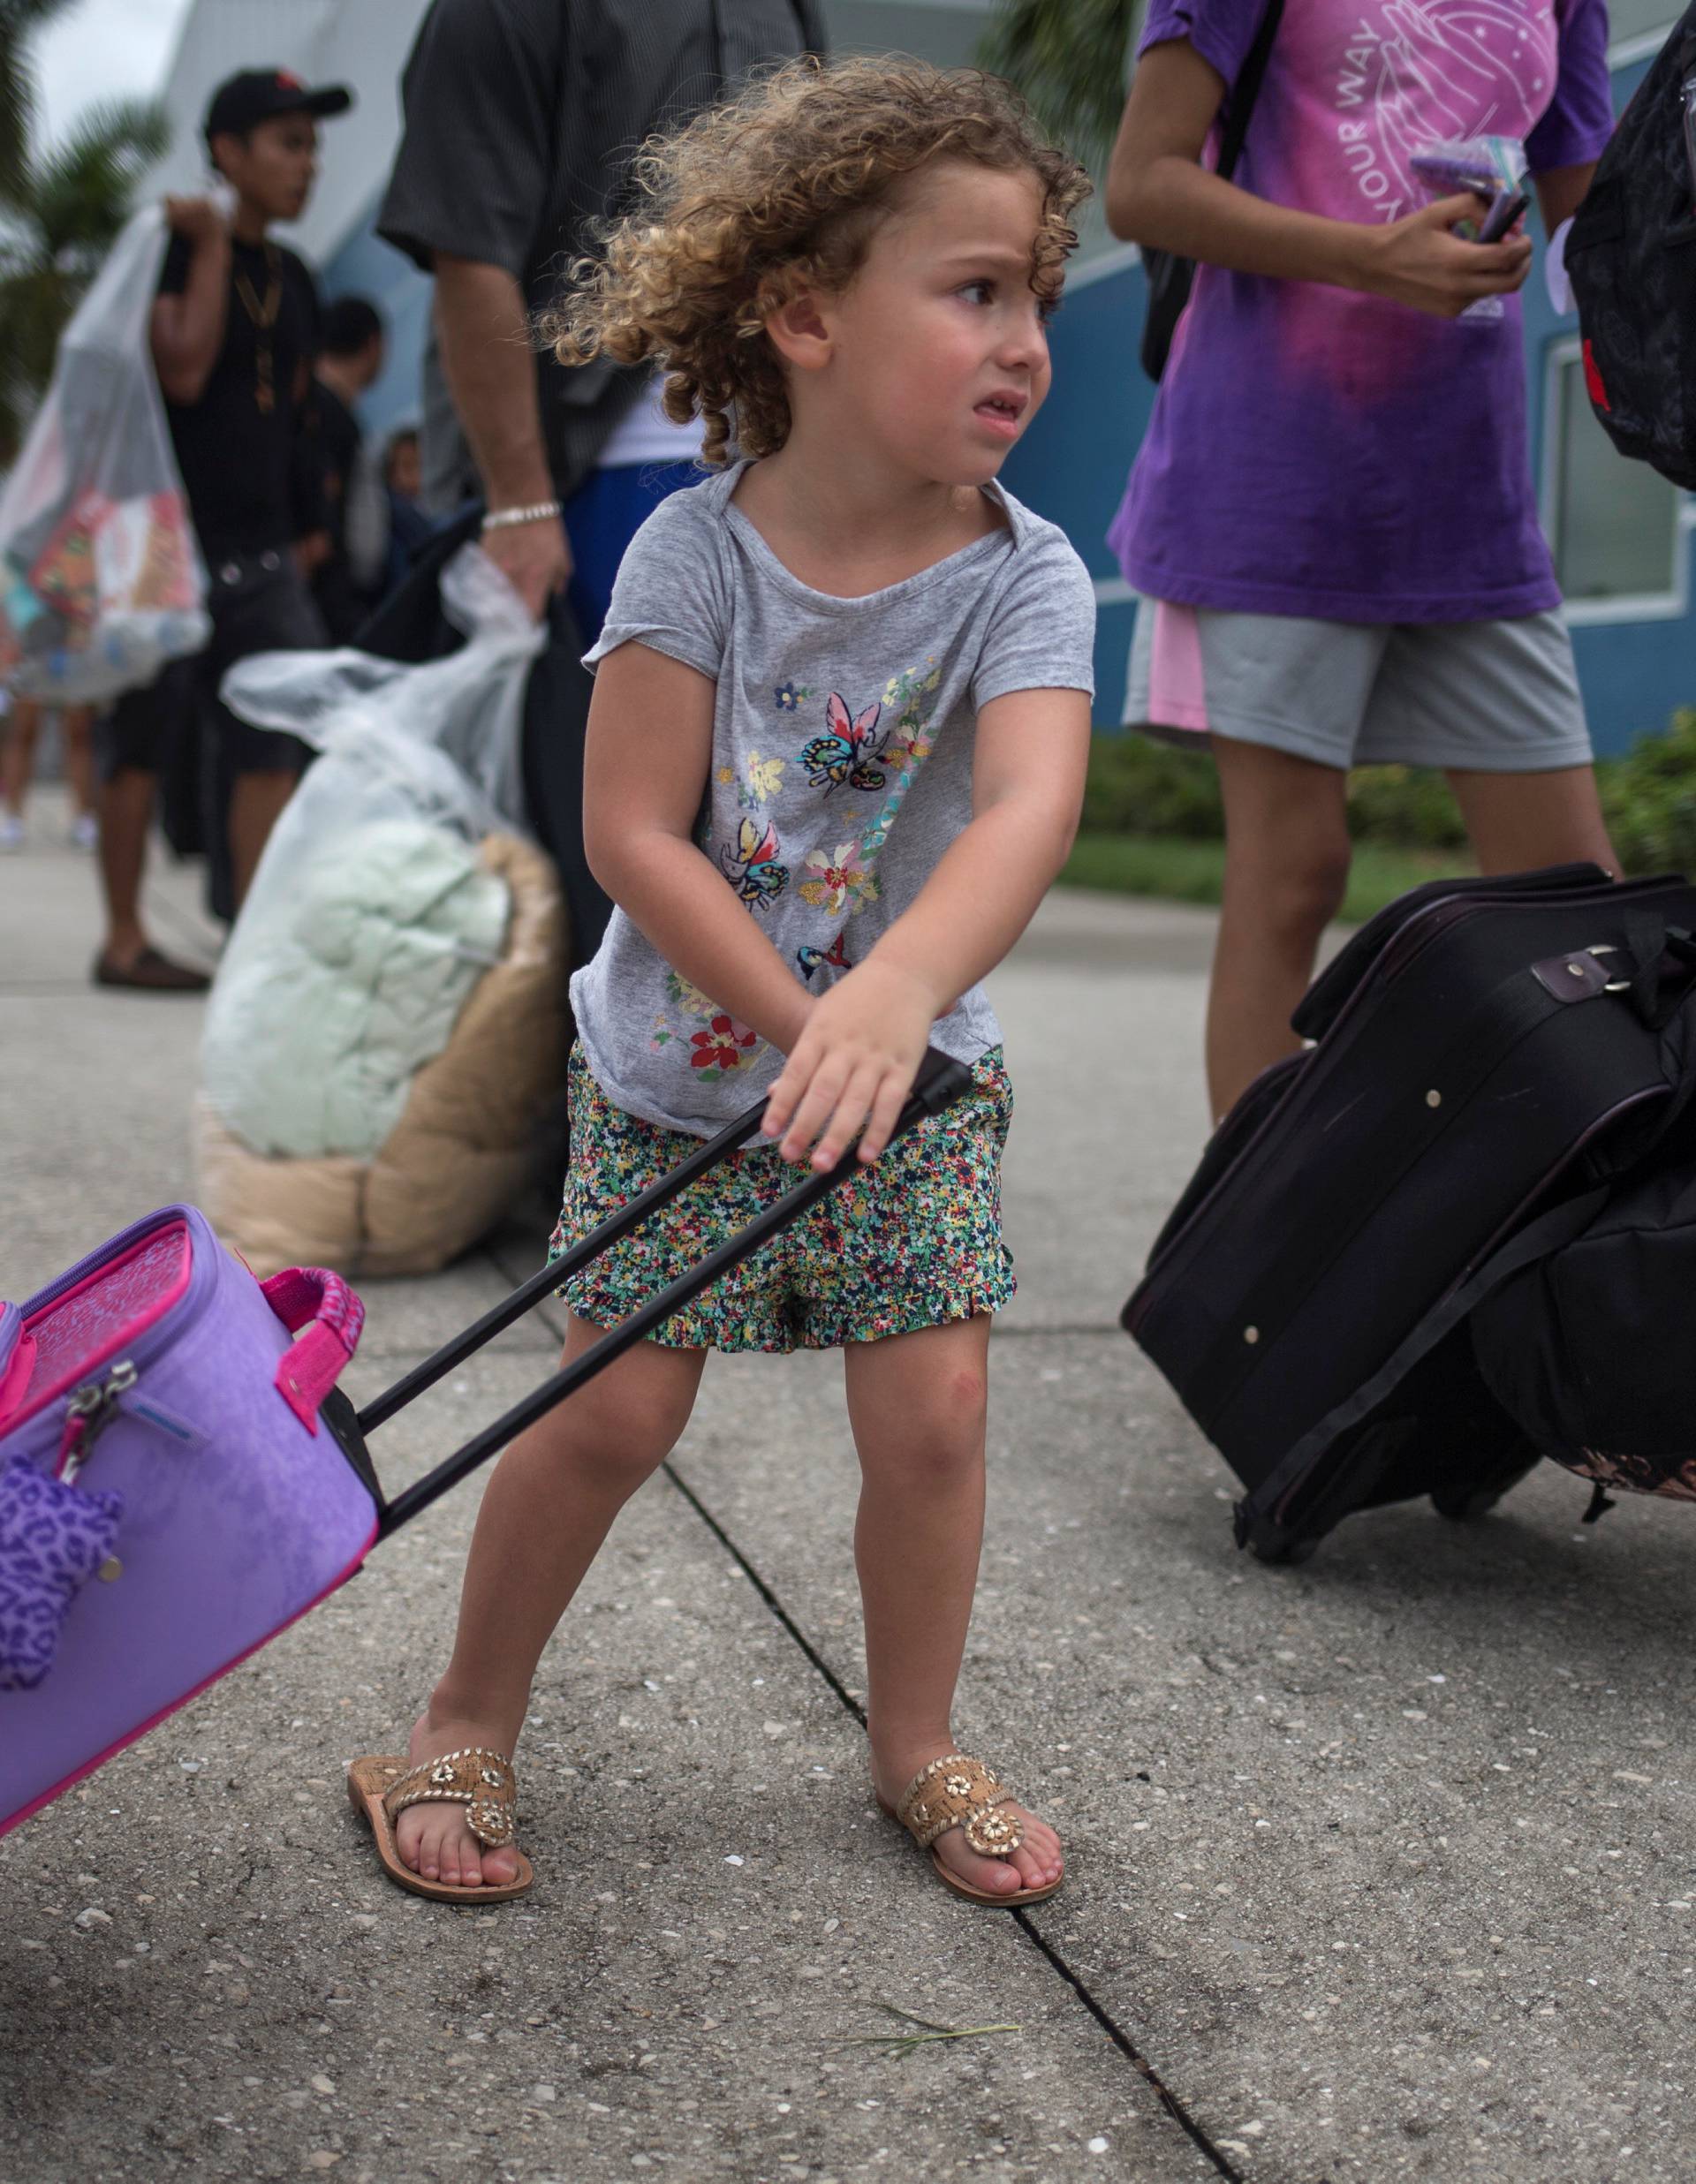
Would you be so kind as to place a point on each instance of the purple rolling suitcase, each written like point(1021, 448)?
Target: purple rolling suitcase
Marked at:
point(180, 1478)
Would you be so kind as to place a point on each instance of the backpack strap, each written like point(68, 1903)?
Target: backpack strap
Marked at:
point(1246, 90)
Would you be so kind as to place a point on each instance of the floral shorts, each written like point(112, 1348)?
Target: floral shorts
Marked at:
point(911, 1241)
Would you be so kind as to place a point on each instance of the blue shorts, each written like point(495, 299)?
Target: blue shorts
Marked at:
point(601, 518)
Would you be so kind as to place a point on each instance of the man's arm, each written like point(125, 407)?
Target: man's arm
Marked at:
point(187, 329)
point(489, 361)
point(474, 179)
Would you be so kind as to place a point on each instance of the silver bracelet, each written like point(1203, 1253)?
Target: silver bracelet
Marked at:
point(539, 512)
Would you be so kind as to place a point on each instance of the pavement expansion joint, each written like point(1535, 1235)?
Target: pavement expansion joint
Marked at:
point(1115, 2031)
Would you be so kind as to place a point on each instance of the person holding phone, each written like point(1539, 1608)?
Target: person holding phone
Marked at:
point(1330, 522)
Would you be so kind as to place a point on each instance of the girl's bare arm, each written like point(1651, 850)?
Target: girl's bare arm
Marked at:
point(862, 1046)
point(1158, 193)
point(645, 763)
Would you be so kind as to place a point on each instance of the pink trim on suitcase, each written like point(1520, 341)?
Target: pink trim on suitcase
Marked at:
point(14, 1382)
point(134, 1735)
point(106, 1309)
point(334, 1319)
point(1178, 683)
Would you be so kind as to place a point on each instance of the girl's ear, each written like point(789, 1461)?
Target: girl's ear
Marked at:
point(799, 330)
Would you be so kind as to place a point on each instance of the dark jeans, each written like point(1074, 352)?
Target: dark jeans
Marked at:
point(556, 716)
point(257, 602)
point(601, 518)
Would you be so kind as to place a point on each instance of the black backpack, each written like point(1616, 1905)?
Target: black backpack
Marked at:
point(1632, 260)
point(1170, 277)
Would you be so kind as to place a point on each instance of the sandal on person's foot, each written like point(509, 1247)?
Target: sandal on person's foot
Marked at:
point(958, 1791)
point(482, 1781)
point(150, 973)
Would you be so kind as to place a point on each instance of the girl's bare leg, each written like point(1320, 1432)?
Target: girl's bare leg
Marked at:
point(1519, 821)
point(548, 1508)
point(1287, 857)
point(917, 1405)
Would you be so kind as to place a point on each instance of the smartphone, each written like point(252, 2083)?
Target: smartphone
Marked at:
point(1504, 210)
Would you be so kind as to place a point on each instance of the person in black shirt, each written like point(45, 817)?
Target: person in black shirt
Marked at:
point(350, 355)
point(521, 121)
point(234, 331)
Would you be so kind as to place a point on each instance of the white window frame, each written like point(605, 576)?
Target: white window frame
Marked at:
point(1668, 606)
point(1643, 47)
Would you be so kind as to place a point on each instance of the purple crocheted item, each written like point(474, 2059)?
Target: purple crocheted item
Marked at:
point(53, 1537)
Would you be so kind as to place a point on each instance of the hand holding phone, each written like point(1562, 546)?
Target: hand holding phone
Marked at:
point(1507, 209)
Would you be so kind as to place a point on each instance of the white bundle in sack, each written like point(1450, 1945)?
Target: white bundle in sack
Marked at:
point(101, 578)
point(385, 1032)
point(369, 923)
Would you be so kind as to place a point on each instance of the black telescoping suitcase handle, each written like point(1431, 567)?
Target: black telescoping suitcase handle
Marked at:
point(941, 1081)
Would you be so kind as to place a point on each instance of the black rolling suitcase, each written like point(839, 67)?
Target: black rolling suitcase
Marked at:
point(1483, 1052)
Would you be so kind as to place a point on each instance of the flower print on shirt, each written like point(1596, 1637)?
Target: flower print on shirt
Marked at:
point(813, 960)
point(725, 1045)
point(913, 693)
point(750, 866)
point(846, 752)
point(837, 877)
point(791, 697)
point(765, 781)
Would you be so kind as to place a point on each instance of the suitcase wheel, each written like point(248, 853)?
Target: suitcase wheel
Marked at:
point(1462, 1504)
point(1466, 1506)
point(1270, 1543)
point(1285, 1551)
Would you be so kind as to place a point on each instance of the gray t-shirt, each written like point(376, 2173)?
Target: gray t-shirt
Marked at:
point(842, 734)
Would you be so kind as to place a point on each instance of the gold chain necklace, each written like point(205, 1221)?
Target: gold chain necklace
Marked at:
point(263, 316)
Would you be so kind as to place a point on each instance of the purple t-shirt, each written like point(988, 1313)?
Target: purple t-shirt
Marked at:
point(1313, 452)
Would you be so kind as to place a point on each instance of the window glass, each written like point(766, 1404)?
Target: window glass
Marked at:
point(945, 31)
point(1614, 523)
point(1634, 18)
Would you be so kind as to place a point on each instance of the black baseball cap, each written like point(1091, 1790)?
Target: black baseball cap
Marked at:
point(257, 95)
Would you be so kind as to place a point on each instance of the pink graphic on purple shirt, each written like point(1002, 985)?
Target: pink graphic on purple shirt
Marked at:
point(1316, 450)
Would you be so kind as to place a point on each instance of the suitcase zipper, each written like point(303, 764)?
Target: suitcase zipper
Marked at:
point(87, 1413)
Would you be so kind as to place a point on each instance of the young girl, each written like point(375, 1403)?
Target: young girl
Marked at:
point(1331, 520)
point(835, 759)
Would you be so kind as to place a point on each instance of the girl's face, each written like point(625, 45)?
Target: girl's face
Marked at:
point(937, 353)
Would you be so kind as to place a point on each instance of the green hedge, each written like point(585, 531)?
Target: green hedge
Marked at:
point(1138, 786)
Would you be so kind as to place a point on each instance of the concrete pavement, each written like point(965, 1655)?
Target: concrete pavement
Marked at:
point(1379, 1868)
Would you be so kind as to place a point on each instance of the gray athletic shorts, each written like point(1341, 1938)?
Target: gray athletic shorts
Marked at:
point(1483, 697)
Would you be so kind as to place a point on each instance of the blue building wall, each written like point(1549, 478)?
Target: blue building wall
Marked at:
point(1072, 465)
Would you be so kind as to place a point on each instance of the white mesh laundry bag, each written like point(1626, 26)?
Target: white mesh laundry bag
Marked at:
point(100, 576)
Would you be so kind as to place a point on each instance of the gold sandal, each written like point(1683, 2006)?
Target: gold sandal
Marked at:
point(958, 1791)
point(482, 1781)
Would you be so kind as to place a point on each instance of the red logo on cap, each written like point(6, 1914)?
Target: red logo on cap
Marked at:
point(285, 82)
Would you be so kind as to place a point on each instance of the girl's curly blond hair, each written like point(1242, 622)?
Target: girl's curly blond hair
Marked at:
point(780, 189)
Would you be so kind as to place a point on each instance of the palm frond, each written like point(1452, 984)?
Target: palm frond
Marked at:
point(81, 194)
point(19, 20)
point(1069, 58)
point(35, 304)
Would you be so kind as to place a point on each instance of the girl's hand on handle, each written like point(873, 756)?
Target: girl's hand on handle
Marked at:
point(1421, 262)
point(853, 1064)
